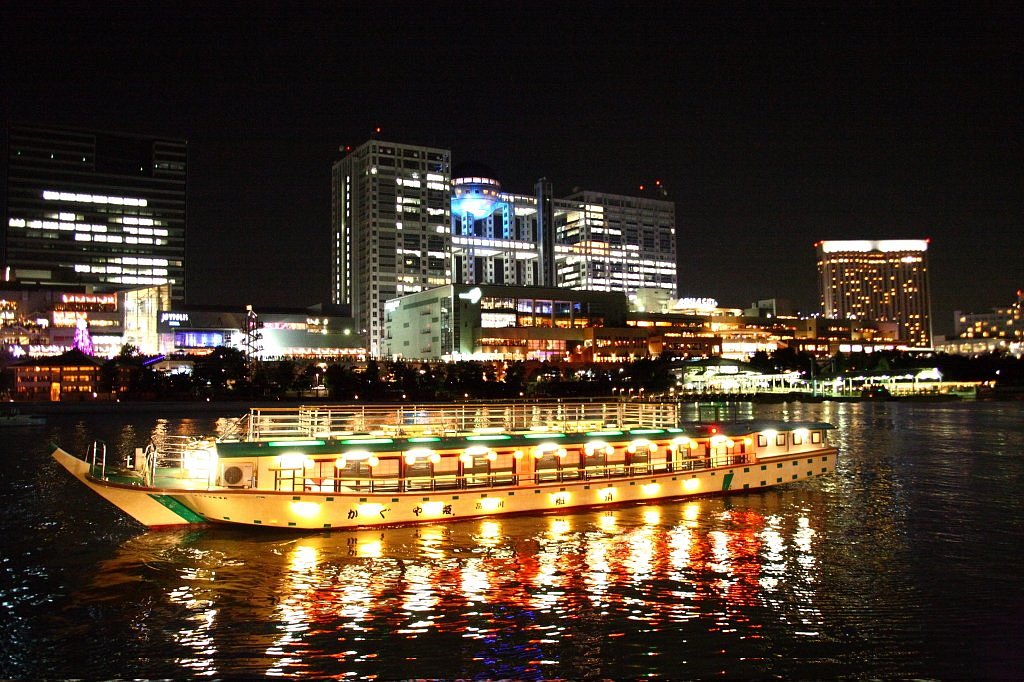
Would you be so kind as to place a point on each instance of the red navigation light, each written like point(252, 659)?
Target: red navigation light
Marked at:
point(377, 129)
point(658, 183)
point(714, 429)
point(641, 188)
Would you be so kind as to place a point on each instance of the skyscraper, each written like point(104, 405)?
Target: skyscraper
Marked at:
point(883, 280)
point(94, 208)
point(390, 212)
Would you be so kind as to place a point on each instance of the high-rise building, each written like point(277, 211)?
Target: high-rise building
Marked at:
point(884, 280)
point(404, 221)
point(390, 213)
point(104, 210)
point(609, 242)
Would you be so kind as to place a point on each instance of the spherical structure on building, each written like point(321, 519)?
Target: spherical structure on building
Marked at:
point(474, 190)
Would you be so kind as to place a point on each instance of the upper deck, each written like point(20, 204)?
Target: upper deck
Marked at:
point(451, 420)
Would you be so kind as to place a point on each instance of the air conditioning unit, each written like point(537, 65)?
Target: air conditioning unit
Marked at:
point(237, 475)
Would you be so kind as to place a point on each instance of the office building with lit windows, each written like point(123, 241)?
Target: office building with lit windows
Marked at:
point(390, 232)
point(96, 209)
point(885, 281)
point(609, 242)
point(1001, 330)
point(404, 221)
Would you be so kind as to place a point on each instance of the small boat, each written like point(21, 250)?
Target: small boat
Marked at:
point(16, 418)
point(343, 467)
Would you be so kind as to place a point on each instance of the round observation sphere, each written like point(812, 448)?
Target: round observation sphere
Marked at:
point(474, 190)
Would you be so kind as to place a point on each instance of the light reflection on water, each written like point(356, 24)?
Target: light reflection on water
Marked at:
point(895, 566)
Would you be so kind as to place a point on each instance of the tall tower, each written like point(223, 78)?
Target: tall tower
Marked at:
point(390, 228)
point(884, 280)
point(94, 208)
point(545, 231)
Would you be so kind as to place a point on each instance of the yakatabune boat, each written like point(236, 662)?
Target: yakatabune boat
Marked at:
point(338, 467)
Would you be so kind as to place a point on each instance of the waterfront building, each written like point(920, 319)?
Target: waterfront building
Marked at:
point(1000, 330)
point(70, 376)
point(884, 280)
point(485, 321)
point(403, 222)
point(93, 208)
point(311, 333)
point(40, 321)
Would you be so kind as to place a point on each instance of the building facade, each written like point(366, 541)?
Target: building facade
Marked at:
point(609, 242)
point(1001, 330)
point(93, 208)
point(390, 232)
point(282, 334)
point(71, 376)
point(463, 321)
point(403, 222)
point(884, 280)
point(39, 321)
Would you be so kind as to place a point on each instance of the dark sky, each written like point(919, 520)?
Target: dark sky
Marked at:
point(772, 125)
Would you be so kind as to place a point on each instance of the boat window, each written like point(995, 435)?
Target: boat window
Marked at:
point(815, 436)
point(354, 469)
point(780, 439)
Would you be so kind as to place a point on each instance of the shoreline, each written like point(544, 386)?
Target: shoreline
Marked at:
point(242, 407)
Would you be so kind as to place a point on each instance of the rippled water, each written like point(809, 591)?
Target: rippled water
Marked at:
point(903, 564)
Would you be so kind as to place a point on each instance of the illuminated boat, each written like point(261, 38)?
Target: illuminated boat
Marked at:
point(343, 467)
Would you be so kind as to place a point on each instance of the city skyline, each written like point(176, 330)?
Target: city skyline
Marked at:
point(771, 128)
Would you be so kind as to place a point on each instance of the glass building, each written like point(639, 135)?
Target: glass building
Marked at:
point(884, 280)
point(91, 208)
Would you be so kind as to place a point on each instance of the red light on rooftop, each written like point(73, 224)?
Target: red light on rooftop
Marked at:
point(641, 188)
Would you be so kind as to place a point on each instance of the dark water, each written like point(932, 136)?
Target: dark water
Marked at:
point(905, 564)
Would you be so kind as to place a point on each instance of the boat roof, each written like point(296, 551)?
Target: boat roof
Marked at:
point(374, 443)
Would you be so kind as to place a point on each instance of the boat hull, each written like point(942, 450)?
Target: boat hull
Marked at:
point(159, 507)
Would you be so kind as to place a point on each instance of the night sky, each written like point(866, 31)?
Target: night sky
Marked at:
point(772, 126)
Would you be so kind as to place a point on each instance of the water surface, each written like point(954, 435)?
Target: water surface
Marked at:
point(903, 564)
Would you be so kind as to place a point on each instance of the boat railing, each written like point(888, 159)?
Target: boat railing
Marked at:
point(97, 458)
point(319, 421)
point(169, 451)
point(236, 429)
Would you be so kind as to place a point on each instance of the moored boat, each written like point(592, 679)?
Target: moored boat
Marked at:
point(338, 467)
